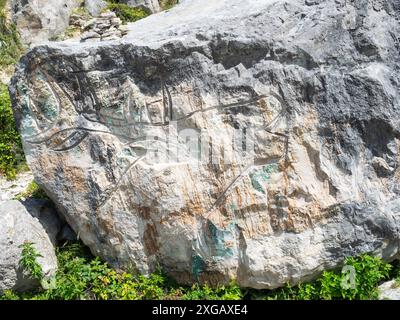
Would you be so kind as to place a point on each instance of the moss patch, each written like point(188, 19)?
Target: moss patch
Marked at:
point(127, 13)
point(32, 191)
point(12, 158)
point(168, 4)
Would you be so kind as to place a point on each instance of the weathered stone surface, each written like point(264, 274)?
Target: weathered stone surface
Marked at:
point(95, 7)
point(90, 35)
point(45, 212)
point(389, 290)
point(308, 95)
point(151, 5)
point(40, 20)
point(19, 223)
point(9, 189)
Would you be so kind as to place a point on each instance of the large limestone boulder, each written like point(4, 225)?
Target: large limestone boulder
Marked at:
point(40, 20)
point(225, 139)
point(32, 222)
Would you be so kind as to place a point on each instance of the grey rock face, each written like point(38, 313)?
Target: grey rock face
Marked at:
point(39, 20)
point(256, 141)
point(45, 212)
point(25, 223)
point(151, 5)
point(67, 234)
point(95, 7)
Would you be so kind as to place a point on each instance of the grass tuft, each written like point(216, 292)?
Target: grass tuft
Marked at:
point(12, 158)
point(127, 13)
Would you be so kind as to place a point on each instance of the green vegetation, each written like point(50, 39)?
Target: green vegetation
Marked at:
point(32, 191)
point(127, 13)
point(197, 292)
point(29, 262)
point(12, 159)
point(10, 46)
point(168, 4)
point(369, 272)
point(130, 14)
point(82, 276)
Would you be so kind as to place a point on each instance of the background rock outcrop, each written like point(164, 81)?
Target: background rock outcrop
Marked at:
point(19, 223)
point(95, 7)
point(40, 20)
point(225, 139)
point(152, 5)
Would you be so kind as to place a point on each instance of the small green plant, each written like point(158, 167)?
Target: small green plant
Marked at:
point(127, 13)
point(197, 292)
point(12, 159)
point(9, 295)
point(368, 272)
point(32, 191)
point(168, 4)
point(10, 45)
point(29, 262)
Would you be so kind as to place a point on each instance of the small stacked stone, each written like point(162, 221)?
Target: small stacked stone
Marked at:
point(106, 27)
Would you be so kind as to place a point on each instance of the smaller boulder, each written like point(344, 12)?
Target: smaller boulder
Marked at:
point(389, 290)
point(38, 21)
point(20, 223)
point(90, 35)
point(46, 213)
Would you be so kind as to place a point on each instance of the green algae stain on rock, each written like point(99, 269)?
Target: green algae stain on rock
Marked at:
point(263, 175)
point(198, 266)
point(49, 110)
point(219, 245)
point(222, 239)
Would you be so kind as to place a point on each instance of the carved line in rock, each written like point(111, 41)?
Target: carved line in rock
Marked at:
point(58, 91)
point(265, 127)
point(108, 193)
point(113, 188)
point(191, 114)
point(232, 183)
point(246, 170)
point(52, 85)
point(77, 136)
